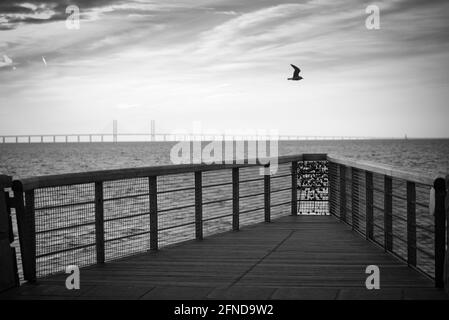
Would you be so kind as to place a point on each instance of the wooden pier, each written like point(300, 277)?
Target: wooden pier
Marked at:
point(283, 259)
point(222, 232)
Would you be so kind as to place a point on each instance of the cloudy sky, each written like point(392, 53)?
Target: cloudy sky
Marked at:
point(225, 63)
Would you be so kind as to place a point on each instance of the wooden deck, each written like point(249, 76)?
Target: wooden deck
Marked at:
point(303, 257)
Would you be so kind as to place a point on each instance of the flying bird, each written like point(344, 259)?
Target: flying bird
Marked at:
point(296, 75)
point(7, 59)
point(7, 62)
point(45, 61)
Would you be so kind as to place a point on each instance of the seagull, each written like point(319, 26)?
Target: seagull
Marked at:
point(7, 62)
point(43, 59)
point(296, 75)
point(7, 59)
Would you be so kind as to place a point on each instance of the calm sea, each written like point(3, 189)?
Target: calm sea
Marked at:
point(26, 160)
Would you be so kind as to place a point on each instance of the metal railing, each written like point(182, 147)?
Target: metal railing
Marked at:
point(94, 217)
point(391, 208)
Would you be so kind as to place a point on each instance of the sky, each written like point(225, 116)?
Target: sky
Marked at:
point(225, 63)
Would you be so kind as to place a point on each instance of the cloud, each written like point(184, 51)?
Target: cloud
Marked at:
point(326, 34)
point(14, 14)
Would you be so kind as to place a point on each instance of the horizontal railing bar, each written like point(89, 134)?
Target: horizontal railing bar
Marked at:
point(378, 227)
point(251, 180)
point(378, 208)
point(422, 205)
point(252, 195)
point(399, 197)
point(65, 205)
point(127, 197)
point(126, 217)
point(177, 226)
point(425, 228)
point(428, 236)
point(251, 210)
point(216, 185)
point(216, 201)
point(66, 227)
point(378, 190)
point(399, 217)
point(218, 217)
point(176, 208)
point(430, 255)
point(65, 250)
point(128, 236)
point(280, 204)
point(400, 239)
point(142, 172)
point(280, 190)
point(390, 171)
point(175, 190)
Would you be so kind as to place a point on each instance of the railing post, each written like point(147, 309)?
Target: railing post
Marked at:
point(342, 193)
point(354, 198)
point(388, 213)
point(369, 205)
point(27, 230)
point(446, 260)
point(235, 199)
point(8, 265)
point(411, 223)
point(294, 188)
point(153, 213)
point(99, 222)
point(440, 230)
point(267, 195)
point(198, 206)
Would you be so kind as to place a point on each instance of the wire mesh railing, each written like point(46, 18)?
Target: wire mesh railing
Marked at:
point(87, 218)
point(394, 209)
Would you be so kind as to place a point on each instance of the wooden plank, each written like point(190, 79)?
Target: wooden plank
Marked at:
point(285, 254)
